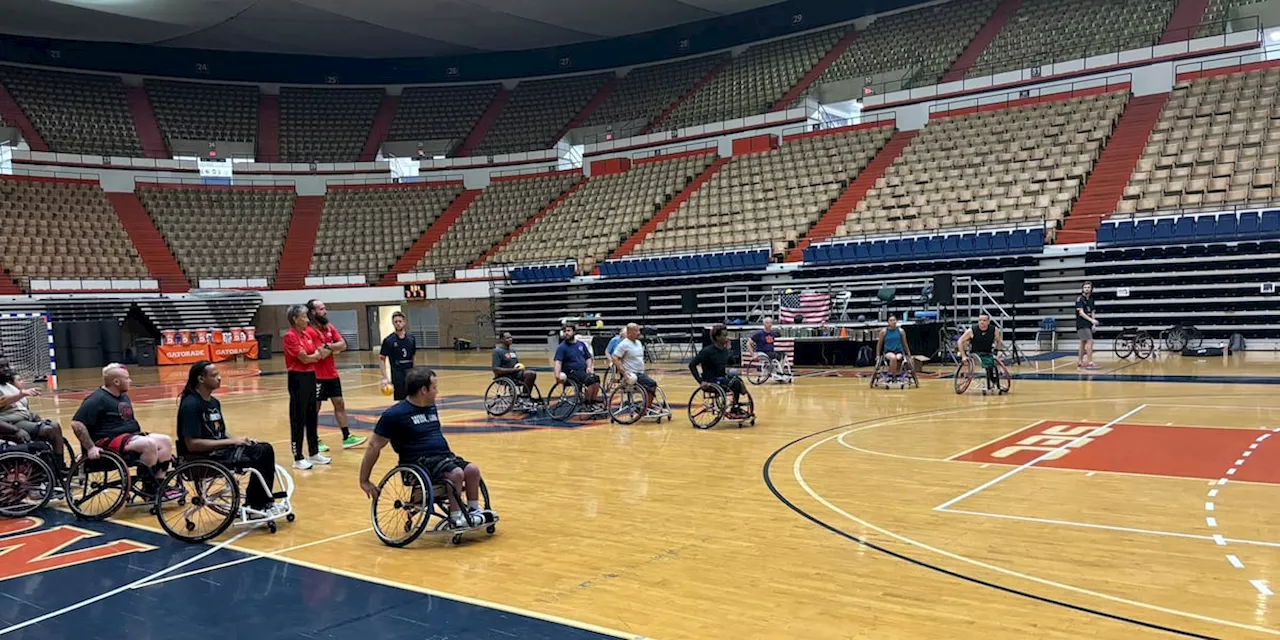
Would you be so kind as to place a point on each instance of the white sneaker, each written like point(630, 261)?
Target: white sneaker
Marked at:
point(319, 458)
point(459, 521)
point(482, 516)
point(276, 510)
point(303, 464)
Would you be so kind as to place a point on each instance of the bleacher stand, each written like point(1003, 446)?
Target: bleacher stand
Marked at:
point(537, 111)
point(927, 40)
point(643, 93)
point(364, 230)
point(1049, 31)
point(1005, 166)
point(75, 112)
point(204, 112)
point(603, 213)
point(1218, 12)
point(500, 209)
point(771, 197)
point(440, 113)
point(754, 81)
point(1216, 145)
point(326, 125)
point(63, 230)
point(202, 224)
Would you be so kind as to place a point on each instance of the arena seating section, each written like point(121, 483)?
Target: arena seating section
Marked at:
point(1216, 145)
point(603, 213)
point(326, 125)
point(200, 224)
point(754, 81)
point(770, 197)
point(62, 229)
point(645, 92)
point(502, 208)
point(204, 112)
point(1003, 166)
point(537, 111)
point(364, 230)
point(74, 112)
point(440, 113)
point(1218, 12)
point(1048, 31)
point(927, 39)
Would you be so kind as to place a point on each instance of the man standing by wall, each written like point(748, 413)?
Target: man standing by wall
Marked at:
point(328, 383)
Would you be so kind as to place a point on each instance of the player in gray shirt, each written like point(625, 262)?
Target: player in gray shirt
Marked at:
point(506, 364)
point(628, 357)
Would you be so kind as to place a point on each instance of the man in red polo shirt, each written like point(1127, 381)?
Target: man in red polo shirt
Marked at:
point(328, 384)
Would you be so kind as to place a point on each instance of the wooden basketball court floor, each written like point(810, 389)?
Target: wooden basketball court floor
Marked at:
point(1136, 501)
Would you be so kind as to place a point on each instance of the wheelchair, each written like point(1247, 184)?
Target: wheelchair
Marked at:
point(27, 478)
point(409, 504)
point(503, 397)
point(626, 404)
point(214, 499)
point(880, 378)
point(971, 366)
point(708, 407)
point(762, 369)
point(97, 489)
point(1133, 341)
point(566, 400)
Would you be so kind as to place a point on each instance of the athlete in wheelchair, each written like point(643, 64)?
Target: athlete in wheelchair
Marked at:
point(514, 387)
point(978, 347)
point(429, 480)
point(15, 410)
point(212, 463)
point(121, 464)
point(636, 395)
point(894, 365)
point(767, 363)
point(710, 402)
point(577, 387)
point(31, 473)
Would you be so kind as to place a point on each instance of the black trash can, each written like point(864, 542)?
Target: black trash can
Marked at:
point(144, 352)
point(264, 346)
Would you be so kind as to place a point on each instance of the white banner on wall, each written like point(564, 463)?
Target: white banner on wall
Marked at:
point(214, 168)
point(6, 159)
point(404, 169)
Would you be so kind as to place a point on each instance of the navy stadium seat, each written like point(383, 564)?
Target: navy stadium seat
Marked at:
point(1248, 225)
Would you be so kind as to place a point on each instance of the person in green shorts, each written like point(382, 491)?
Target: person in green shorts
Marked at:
point(983, 339)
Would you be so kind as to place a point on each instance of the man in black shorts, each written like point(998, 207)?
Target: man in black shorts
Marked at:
point(202, 433)
point(15, 411)
point(714, 360)
point(105, 420)
point(984, 340)
point(573, 362)
point(398, 349)
point(412, 427)
point(506, 364)
point(1086, 323)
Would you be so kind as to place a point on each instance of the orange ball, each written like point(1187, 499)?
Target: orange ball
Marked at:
point(388, 389)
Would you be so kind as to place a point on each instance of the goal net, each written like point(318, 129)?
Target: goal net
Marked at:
point(24, 341)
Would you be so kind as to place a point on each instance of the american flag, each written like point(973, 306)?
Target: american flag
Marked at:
point(810, 308)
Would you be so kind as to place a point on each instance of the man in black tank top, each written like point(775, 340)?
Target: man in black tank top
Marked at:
point(983, 339)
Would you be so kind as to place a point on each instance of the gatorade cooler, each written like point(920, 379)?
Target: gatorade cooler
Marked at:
point(168, 337)
point(237, 334)
point(250, 334)
point(202, 336)
point(184, 336)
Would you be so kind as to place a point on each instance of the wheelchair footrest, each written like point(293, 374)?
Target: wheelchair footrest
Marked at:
point(279, 495)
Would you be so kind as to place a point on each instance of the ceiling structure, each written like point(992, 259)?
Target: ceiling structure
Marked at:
point(356, 28)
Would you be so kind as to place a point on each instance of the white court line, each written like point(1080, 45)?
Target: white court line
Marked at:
point(1235, 562)
point(121, 589)
point(994, 440)
point(1247, 454)
point(1231, 471)
point(1211, 521)
point(254, 555)
point(1261, 586)
point(1208, 506)
point(1213, 493)
point(1217, 537)
point(1019, 469)
point(1108, 527)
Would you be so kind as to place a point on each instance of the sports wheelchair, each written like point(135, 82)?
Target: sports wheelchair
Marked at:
point(906, 378)
point(503, 397)
point(566, 400)
point(972, 364)
point(627, 399)
point(408, 501)
point(762, 369)
point(97, 489)
point(27, 478)
point(210, 486)
point(707, 407)
point(1134, 341)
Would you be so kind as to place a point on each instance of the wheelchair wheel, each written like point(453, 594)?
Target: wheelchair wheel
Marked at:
point(748, 407)
point(1004, 379)
point(660, 404)
point(759, 369)
point(626, 403)
point(403, 507)
point(212, 504)
point(877, 372)
point(563, 400)
point(1143, 346)
point(26, 484)
point(1123, 346)
point(500, 397)
point(964, 375)
point(707, 406)
point(96, 489)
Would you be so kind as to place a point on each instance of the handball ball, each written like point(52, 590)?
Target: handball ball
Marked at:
point(388, 389)
point(599, 324)
point(519, 366)
point(788, 291)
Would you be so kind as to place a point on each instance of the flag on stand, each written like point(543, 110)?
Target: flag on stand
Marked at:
point(804, 308)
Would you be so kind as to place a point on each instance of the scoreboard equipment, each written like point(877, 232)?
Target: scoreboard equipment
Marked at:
point(415, 292)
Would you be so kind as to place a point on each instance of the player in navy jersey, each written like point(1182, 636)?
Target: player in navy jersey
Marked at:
point(412, 427)
point(398, 349)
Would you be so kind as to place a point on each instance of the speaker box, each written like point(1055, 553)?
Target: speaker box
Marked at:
point(1014, 282)
point(144, 352)
point(943, 289)
point(642, 303)
point(689, 302)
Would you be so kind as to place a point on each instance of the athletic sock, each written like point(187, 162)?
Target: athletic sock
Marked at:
point(346, 433)
point(473, 505)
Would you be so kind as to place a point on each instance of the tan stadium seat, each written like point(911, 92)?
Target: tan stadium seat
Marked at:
point(1218, 13)
point(440, 113)
point(326, 125)
point(645, 92)
point(193, 111)
point(201, 224)
point(537, 111)
point(74, 112)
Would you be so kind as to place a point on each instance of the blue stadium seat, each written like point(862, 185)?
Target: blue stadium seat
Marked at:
point(1206, 226)
point(892, 250)
point(1000, 242)
point(1184, 230)
point(1145, 232)
point(738, 260)
point(762, 258)
point(1248, 226)
point(951, 246)
point(1106, 233)
point(1270, 223)
point(1018, 242)
point(704, 264)
point(863, 251)
point(1163, 232)
point(1124, 233)
point(982, 244)
point(920, 249)
point(877, 251)
point(968, 244)
point(848, 253)
point(1035, 239)
point(1226, 226)
point(935, 247)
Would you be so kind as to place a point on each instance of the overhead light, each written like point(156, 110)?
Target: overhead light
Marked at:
point(1274, 35)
